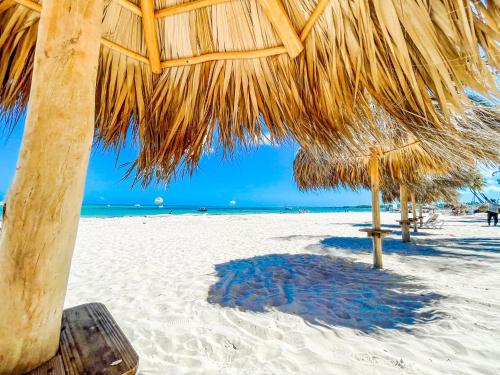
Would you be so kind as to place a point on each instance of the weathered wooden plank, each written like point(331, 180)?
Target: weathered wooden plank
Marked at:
point(91, 343)
point(53, 367)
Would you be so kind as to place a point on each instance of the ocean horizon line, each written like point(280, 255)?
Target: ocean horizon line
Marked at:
point(225, 206)
point(116, 210)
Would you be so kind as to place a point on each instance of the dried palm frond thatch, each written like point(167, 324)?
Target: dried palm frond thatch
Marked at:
point(228, 72)
point(317, 171)
point(425, 193)
point(403, 158)
point(433, 188)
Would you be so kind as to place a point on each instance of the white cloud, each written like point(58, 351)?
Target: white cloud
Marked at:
point(265, 140)
point(209, 151)
point(492, 189)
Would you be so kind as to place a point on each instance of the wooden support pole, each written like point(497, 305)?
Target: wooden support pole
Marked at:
point(124, 3)
point(216, 56)
point(130, 6)
point(414, 212)
point(29, 4)
point(150, 36)
point(187, 7)
point(191, 60)
point(375, 189)
point(105, 42)
point(124, 51)
point(421, 214)
point(273, 9)
point(405, 226)
point(320, 8)
point(43, 204)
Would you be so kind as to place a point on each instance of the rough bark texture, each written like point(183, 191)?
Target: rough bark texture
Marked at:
point(43, 203)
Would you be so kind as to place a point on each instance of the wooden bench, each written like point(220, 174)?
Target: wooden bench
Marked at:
point(371, 232)
point(91, 343)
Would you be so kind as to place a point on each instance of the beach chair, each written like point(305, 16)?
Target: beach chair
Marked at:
point(432, 222)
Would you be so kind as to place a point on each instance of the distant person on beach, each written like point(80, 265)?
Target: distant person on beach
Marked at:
point(493, 212)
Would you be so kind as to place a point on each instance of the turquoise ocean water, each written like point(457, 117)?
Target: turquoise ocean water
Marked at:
point(130, 210)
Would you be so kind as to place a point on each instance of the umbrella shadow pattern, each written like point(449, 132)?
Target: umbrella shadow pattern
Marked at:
point(324, 291)
point(466, 248)
point(396, 229)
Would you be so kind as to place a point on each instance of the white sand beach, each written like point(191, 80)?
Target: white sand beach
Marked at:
point(290, 293)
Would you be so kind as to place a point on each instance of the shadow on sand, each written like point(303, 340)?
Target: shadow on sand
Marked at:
point(450, 247)
point(324, 291)
point(369, 225)
point(396, 229)
point(474, 245)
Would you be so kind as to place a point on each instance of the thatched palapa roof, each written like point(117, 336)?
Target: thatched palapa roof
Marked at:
point(427, 183)
point(475, 138)
point(180, 75)
point(320, 170)
point(433, 188)
point(424, 194)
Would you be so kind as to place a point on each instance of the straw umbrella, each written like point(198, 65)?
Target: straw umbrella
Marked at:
point(405, 58)
point(321, 170)
point(424, 194)
point(398, 160)
point(433, 188)
point(173, 76)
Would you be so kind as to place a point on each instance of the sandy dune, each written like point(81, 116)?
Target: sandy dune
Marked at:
point(277, 294)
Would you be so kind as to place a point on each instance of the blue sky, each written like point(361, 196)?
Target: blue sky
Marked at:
point(259, 177)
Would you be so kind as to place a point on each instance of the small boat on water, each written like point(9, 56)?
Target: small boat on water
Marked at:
point(202, 209)
point(137, 205)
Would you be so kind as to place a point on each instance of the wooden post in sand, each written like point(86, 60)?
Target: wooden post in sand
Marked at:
point(405, 223)
point(420, 215)
point(375, 188)
point(376, 232)
point(414, 212)
point(43, 203)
